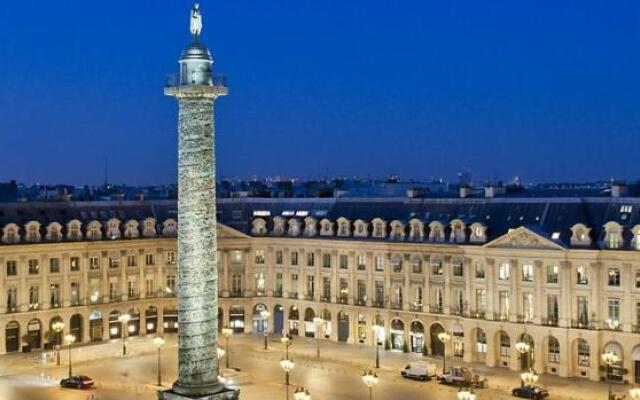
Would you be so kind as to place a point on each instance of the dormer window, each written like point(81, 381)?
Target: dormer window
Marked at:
point(94, 231)
point(635, 242)
point(457, 232)
point(397, 230)
point(613, 235)
point(113, 229)
point(478, 233)
point(309, 226)
point(360, 228)
point(170, 228)
point(379, 228)
point(33, 232)
point(278, 226)
point(580, 235)
point(54, 233)
point(436, 232)
point(416, 231)
point(149, 227)
point(131, 229)
point(73, 230)
point(294, 227)
point(11, 235)
point(326, 227)
point(344, 227)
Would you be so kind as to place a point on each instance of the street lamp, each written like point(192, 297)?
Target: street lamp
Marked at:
point(69, 339)
point(318, 323)
point(124, 320)
point(370, 379)
point(286, 341)
point(529, 378)
point(610, 358)
point(159, 342)
point(58, 326)
point(444, 337)
point(287, 365)
point(227, 332)
point(301, 394)
point(376, 337)
point(265, 317)
point(466, 394)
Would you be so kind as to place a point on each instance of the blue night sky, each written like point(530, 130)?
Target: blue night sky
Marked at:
point(548, 90)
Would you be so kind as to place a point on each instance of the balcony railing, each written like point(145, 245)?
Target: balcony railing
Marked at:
point(343, 300)
point(361, 302)
point(293, 295)
point(173, 80)
point(395, 306)
point(577, 324)
point(415, 307)
point(552, 321)
point(378, 303)
point(477, 314)
point(612, 326)
point(325, 299)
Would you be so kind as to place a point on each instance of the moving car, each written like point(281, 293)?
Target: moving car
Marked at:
point(419, 370)
point(77, 382)
point(462, 376)
point(530, 392)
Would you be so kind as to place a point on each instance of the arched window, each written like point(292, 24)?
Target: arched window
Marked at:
point(505, 344)
point(584, 353)
point(554, 350)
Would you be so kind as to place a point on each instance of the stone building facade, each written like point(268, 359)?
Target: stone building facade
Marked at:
point(561, 274)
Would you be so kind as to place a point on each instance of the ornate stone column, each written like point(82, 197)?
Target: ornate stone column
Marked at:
point(196, 92)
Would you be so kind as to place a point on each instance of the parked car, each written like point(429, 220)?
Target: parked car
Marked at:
point(419, 370)
point(530, 392)
point(77, 382)
point(463, 377)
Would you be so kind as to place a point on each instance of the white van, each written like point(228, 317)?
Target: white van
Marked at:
point(419, 370)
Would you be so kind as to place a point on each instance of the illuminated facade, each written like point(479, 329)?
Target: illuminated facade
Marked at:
point(562, 274)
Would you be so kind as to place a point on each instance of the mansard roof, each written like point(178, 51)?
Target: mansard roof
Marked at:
point(546, 216)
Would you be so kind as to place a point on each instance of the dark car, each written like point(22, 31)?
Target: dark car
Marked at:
point(77, 382)
point(530, 392)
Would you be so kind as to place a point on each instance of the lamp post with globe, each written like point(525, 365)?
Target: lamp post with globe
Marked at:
point(444, 337)
point(124, 320)
point(265, 317)
point(376, 337)
point(227, 332)
point(301, 394)
point(69, 340)
point(529, 378)
point(317, 321)
point(159, 342)
point(370, 379)
point(57, 327)
point(287, 365)
point(610, 358)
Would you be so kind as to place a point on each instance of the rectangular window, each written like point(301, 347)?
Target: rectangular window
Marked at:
point(34, 297)
point(294, 284)
point(505, 345)
point(613, 312)
point(12, 298)
point(132, 260)
point(481, 302)
point(236, 257)
point(581, 276)
point(114, 262)
point(362, 263)
point(54, 290)
point(379, 294)
point(552, 273)
point(12, 268)
point(527, 307)
point(171, 257)
point(278, 286)
point(259, 257)
point(311, 259)
point(34, 266)
point(553, 313)
point(74, 264)
point(504, 272)
point(457, 268)
point(527, 273)
point(94, 263)
point(171, 284)
point(54, 265)
point(437, 268)
point(504, 305)
point(379, 264)
point(75, 293)
point(637, 279)
point(236, 284)
point(150, 287)
point(113, 290)
point(132, 289)
point(479, 271)
point(344, 261)
point(583, 311)
point(150, 259)
point(416, 266)
point(278, 257)
point(326, 288)
point(326, 260)
point(613, 277)
point(311, 286)
point(294, 258)
point(344, 291)
point(260, 284)
point(362, 292)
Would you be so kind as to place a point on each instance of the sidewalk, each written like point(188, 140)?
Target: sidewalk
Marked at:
point(363, 357)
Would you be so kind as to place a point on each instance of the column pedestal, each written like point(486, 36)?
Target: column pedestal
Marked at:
point(225, 394)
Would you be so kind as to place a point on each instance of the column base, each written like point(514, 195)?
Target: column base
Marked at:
point(225, 394)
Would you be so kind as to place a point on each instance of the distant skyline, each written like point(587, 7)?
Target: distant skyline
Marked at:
point(548, 91)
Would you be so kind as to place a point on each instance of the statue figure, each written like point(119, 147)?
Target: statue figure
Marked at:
point(196, 20)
